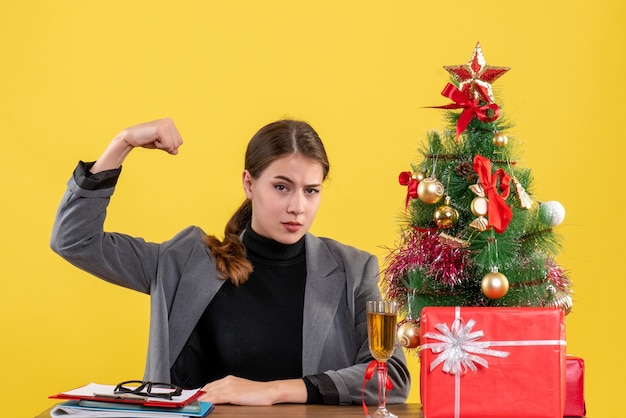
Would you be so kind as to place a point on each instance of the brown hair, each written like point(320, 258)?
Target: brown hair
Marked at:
point(273, 141)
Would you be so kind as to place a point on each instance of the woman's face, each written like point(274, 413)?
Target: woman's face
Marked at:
point(285, 197)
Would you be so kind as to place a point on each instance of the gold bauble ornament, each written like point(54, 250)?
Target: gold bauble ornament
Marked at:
point(430, 190)
point(560, 299)
point(409, 334)
point(446, 216)
point(500, 140)
point(494, 285)
point(419, 175)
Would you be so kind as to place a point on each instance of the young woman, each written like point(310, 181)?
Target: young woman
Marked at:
point(270, 313)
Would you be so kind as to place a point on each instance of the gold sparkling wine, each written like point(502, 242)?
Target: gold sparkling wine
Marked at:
point(382, 334)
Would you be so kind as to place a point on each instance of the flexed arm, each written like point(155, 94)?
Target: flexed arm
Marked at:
point(158, 134)
point(78, 233)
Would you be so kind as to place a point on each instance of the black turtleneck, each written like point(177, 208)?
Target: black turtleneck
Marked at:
point(254, 330)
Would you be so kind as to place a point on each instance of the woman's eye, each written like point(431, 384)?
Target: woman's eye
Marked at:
point(280, 187)
point(312, 191)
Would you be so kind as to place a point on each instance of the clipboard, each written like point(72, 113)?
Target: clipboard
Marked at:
point(105, 393)
point(94, 409)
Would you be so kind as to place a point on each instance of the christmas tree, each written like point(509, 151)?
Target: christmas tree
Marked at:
point(473, 233)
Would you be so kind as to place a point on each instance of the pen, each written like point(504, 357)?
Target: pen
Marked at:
point(127, 396)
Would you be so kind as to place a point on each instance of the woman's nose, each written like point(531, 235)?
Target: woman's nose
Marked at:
point(296, 204)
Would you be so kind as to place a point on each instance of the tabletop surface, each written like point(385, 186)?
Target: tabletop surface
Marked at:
point(413, 410)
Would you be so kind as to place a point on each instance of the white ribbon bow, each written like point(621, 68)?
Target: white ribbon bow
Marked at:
point(459, 348)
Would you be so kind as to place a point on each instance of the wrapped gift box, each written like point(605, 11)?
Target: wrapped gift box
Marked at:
point(575, 387)
point(492, 362)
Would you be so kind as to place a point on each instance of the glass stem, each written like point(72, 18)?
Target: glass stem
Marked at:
point(382, 385)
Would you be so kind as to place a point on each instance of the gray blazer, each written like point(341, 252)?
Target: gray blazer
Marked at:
point(181, 279)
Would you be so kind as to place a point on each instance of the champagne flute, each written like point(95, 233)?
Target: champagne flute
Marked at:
point(381, 332)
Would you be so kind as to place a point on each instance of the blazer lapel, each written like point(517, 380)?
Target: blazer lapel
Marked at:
point(324, 287)
point(198, 284)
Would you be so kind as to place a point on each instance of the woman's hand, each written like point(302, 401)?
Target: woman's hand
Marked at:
point(158, 134)
point(238, 391)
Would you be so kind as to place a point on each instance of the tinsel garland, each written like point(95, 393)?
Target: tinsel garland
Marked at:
point(441, 261)
point(556, 275)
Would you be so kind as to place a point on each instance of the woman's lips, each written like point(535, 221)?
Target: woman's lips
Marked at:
point(292, 226)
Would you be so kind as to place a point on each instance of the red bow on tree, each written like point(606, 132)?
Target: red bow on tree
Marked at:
point(407, 179)
point(470, 108)
point(499, 213)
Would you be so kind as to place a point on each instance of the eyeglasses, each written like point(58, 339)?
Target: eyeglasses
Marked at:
point(148, 389)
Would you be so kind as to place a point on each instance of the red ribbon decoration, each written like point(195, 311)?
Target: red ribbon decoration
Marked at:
point(369, 373)
point(407, 179)
point(499, 213)
point(470, 108)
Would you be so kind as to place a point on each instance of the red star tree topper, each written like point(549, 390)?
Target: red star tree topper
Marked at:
point(476, 76)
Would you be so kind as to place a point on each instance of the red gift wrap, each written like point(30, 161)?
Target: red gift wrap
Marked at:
point(575, 387)
point(492, 362)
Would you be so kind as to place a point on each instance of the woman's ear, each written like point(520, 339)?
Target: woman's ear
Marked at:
point(246, 180)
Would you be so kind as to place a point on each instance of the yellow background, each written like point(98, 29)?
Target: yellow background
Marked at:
point(74, 73)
